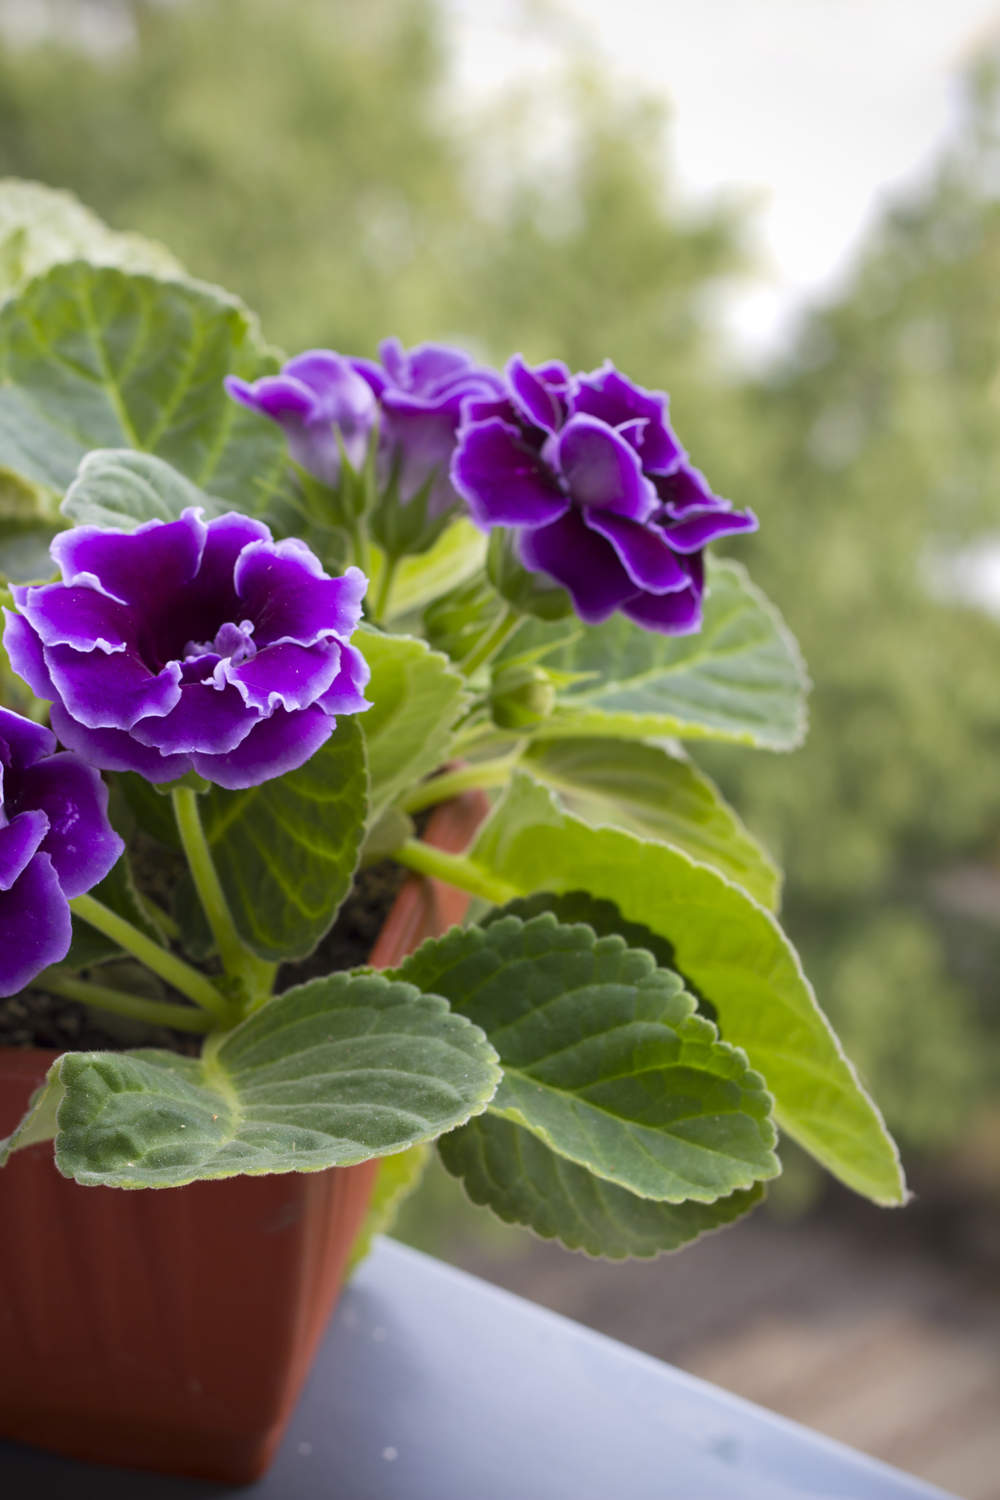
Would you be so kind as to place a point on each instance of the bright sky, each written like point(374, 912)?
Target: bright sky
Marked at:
point(818, 106)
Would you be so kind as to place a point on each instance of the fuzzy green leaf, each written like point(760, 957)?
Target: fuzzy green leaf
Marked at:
point(505, 1168)
point(121, 488)
point(333, 1072)
point(96, 357)
point(740, 678)
point(651, 792)
point(416, 698)
point(604, 1059)
point(732, 950)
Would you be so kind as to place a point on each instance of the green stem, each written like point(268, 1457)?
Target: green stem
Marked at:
point(489, 644)
point(455, 869)
point(197, 986)
point(102, 997)
point(380, 607)
point(206, 880)
point(450, 783)
point(359, 544)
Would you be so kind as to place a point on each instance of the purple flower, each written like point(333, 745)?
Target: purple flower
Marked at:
point(587, 471)
point(55, 843)
point(318, 396)
point(191, 645)
point(421, 392)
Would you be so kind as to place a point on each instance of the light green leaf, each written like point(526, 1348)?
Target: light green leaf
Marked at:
point(333, 1072)
point(286, 850)
point(730, 949)
point(38, 1123)
point(416, 698)
point(120, 488)
point(95, 357)
point(505, 1168)
point(454, 557)
point(740, 678)
point(41, 226)
point(645, 789)
point(397, 1178)
point(604, 1059)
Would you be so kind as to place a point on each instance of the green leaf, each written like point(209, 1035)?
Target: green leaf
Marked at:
point(38, 1123)
point(604, 1059)
point(732, 950)
point(416, 698)
point(95, 357)
point(120, 488)
point(505, 1168)
point(333, 1072)
point(118, 892)
point(456, 555)
point(286, 850)
point(740, 678)
point(41, 226)
point(651, 792)
point(397, 1178)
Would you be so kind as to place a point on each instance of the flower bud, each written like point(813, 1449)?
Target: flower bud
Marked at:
point(521, 696)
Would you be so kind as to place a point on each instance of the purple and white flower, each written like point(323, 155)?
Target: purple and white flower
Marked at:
point(321, 403)
point(421, 392)
point(191, 645)
point(55, 843)
point(588, 473)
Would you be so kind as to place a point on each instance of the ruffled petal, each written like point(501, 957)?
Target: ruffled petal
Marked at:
point(608, 395)
point(116, 750)
point(286, 594)
point(642, 551)
point(111, 692)
point(672, 614)
point(205, 719)
point(24, 651)
point(601, 469)
point(35, 925)
point(75, 615)
point(26, 740)
point(346, 693)
point(539, 402)
point(279, 744)
point(285, 676)
point(80, 841)
point(584, 563)
point(502, 480)
point(20, 841)
point(698, 528)
point(143, 568)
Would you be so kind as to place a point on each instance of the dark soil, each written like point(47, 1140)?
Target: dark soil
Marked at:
point(36, 1019)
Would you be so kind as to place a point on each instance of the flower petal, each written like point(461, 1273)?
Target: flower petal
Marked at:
point(205, 719)
point(26, 740)
point(111, 692)
point(138, 567)
point(583, 562)
point(35, 925)
point(601, 469)
point(286, 675)
point(642, 551)
point(20, 841)
point(116, 750)
point(608, 395)
point(502, 480)
point(24, 652)
point(80, 616)
point(286, 594)
point(698, 528)
point(80, 841)
point(281, 743)
point(541, 403)
point(672, 614)
point(346, 693)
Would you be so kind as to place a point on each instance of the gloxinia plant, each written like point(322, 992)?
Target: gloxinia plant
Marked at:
point(273, 613)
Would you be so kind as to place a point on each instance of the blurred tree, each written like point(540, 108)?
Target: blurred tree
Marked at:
point(306, 155)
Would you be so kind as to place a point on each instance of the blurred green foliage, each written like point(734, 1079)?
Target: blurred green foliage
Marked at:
point(307, 155)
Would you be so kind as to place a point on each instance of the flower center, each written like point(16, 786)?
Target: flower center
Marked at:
point(231, 641)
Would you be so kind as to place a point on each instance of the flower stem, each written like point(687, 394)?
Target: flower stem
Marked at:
point(103, 997)
point(489, 644)
point(483, 774)
point(206, 880)
point(197, 986)
point(380, 606)
point(455, 869)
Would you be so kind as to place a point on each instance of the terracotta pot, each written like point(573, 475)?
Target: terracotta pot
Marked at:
point(173, 1329)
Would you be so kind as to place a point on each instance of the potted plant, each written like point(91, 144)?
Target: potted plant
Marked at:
point(262, 618)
